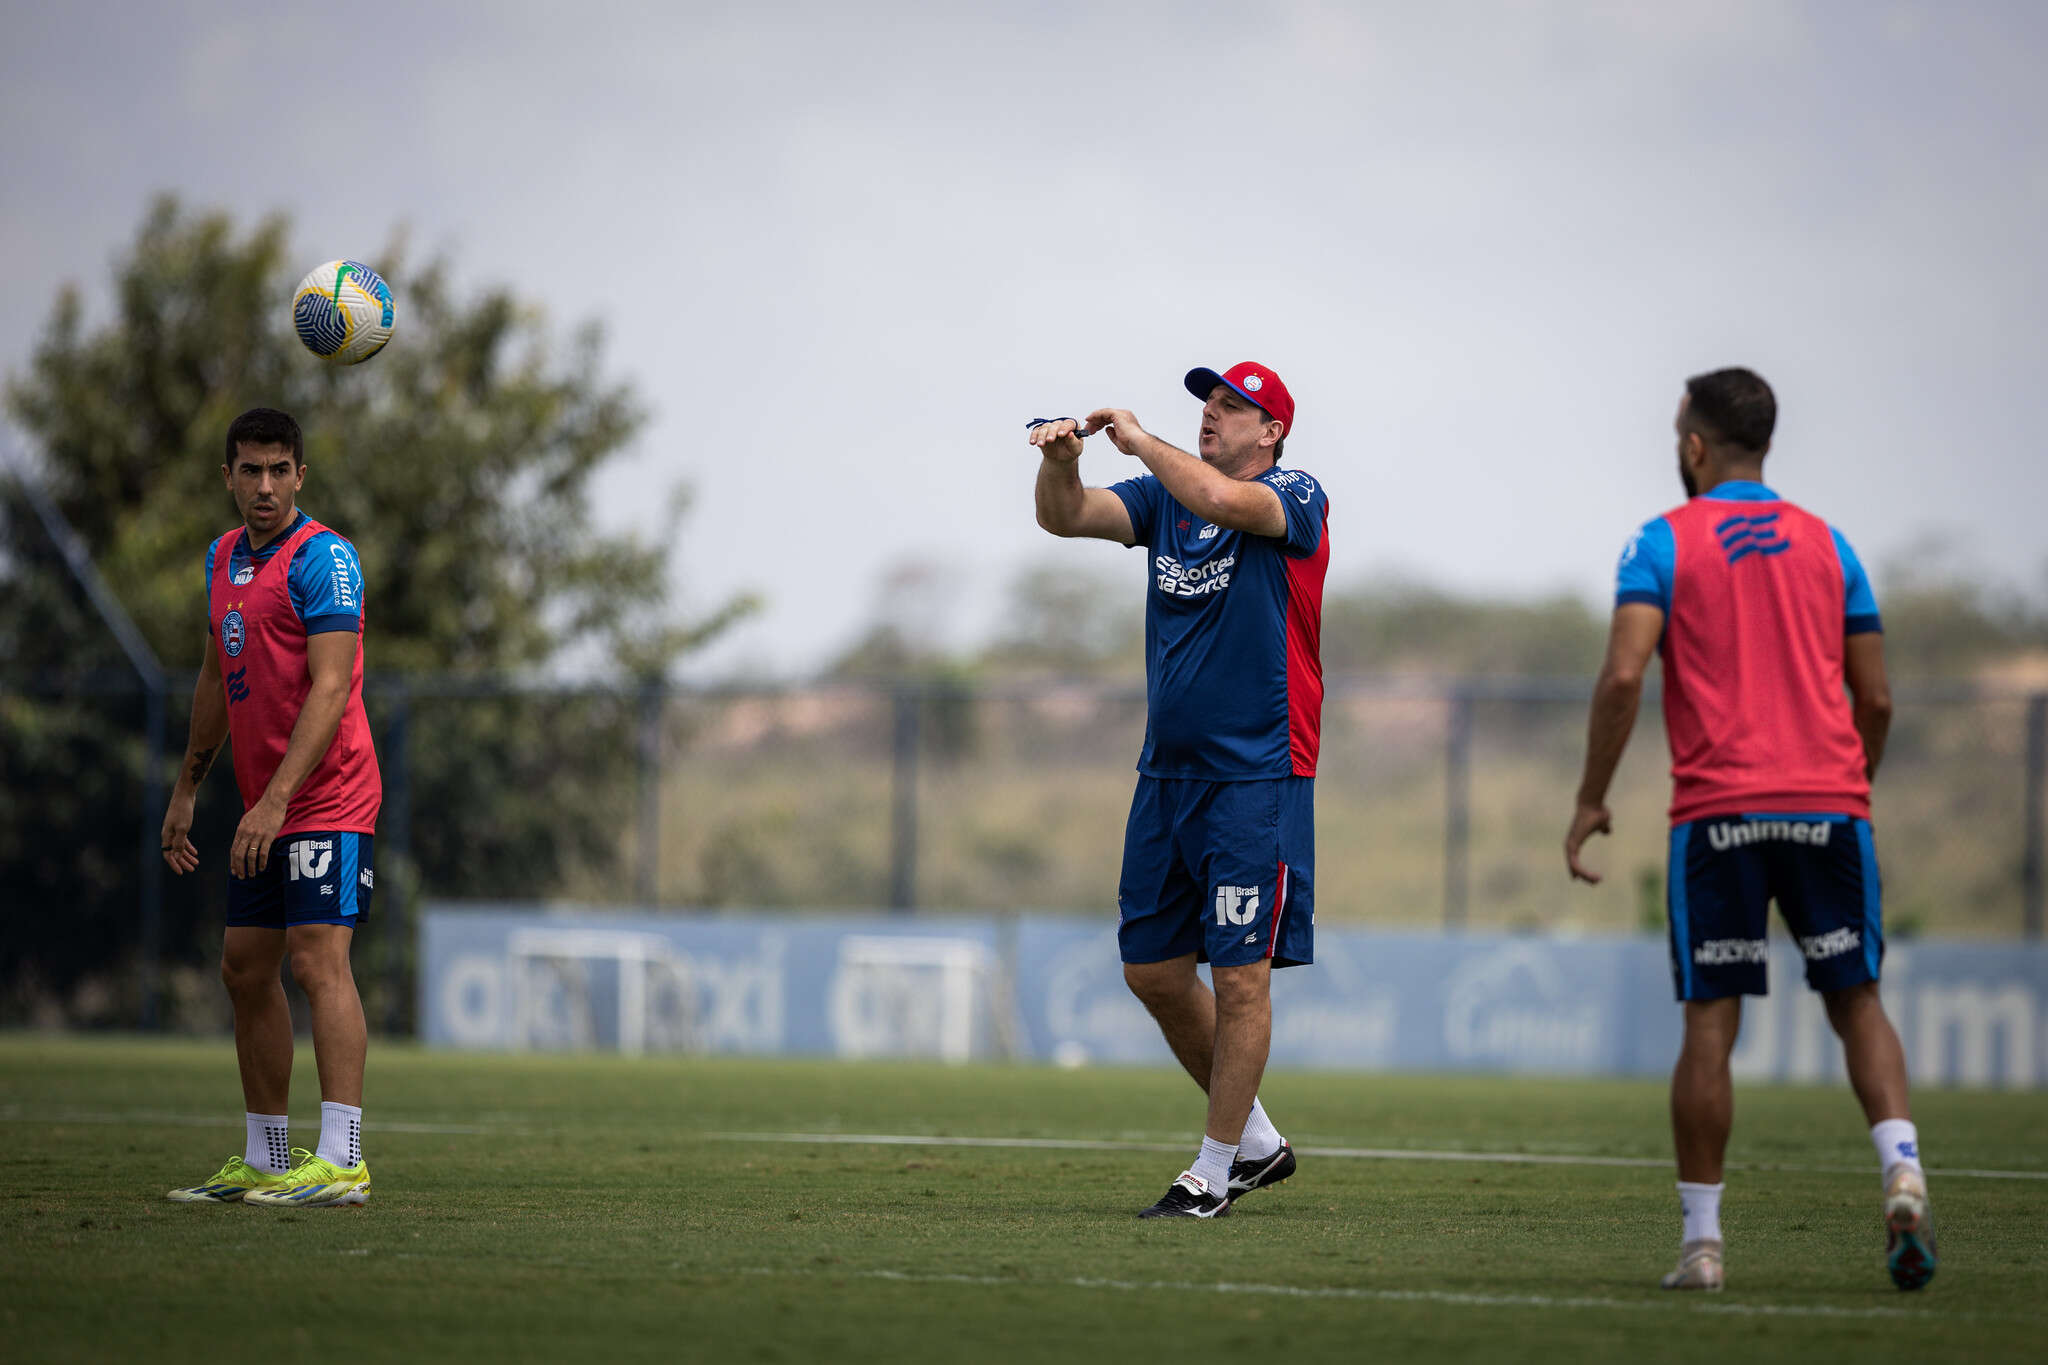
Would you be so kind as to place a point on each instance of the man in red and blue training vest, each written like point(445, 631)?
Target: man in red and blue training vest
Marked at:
point(1762, 613)
point(1219, 851)
point(283, 678)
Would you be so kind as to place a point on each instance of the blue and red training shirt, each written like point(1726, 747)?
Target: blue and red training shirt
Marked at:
point(1759, 596)
point(1233, 635)
point(326, 578)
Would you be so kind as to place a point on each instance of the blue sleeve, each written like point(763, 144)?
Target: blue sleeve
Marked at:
point(1648, 563)
point(1860, 603)
point(1307, 508)
point(327, 585)
point(206, 589)
point(1142, 497)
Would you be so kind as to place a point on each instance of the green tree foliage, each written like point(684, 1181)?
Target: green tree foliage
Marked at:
point(458, 462)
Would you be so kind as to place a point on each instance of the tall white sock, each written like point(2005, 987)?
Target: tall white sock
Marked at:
point(1261, 1139)
point(1898, 1144)
point(1702, 1207)
point(1213, 1165)
point(341, 1133)
point(269, 1144)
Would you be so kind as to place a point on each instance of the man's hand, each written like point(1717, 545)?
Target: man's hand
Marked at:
point(177, 845)
point(1056, 440)
point(250, 853)
point(1122, 426)
point(1586, 822)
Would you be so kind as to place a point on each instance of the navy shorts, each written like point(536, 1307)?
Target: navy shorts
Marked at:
point(1725, 872)
point(312, 878)
point(1223, 870)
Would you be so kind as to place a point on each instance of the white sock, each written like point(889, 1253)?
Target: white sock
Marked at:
point(1213, 1165)
point(1898, 1144)
point(341, 1134)
point(1261, 1139)
point(1702, 1206)
point(269, 1145)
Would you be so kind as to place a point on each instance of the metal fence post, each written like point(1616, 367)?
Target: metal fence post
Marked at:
point(2033, 873)
point(153, 802)
point(909, 701)
point(399, 882)
point(1457, 807)
point(653, 698)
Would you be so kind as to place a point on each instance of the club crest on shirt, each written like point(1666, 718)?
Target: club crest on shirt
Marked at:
point(232, 634)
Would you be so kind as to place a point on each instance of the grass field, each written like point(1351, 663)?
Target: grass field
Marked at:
point(605, 1209)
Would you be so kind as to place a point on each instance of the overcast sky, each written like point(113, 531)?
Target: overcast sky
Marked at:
point(844, 251)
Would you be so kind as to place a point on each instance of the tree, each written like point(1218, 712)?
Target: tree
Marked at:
point(459, 462)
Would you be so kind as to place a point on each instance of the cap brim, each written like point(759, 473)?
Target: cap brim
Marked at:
point(1201, 383)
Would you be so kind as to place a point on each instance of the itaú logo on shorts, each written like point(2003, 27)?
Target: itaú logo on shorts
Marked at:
point(1237, 904)
point(1725, 952)
point(310, 859)
point(1735, 833)
point(1833, 943)
point(1178, 580)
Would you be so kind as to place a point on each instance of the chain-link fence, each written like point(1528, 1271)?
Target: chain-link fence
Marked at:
point(1439, 803)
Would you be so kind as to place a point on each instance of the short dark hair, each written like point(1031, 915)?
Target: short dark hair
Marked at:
point(266, 427)
point(1733, 407)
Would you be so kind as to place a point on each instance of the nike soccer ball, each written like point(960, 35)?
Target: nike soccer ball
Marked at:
point(342, 312)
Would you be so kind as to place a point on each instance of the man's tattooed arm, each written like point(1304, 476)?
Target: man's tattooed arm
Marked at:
point(202, 763)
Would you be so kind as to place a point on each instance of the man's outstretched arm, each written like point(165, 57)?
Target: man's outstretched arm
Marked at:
point(1067, 507)
point(1631, 640)
point(1215, 497)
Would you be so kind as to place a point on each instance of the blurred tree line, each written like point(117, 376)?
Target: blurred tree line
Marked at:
point(459, 463)
point(1939, 624)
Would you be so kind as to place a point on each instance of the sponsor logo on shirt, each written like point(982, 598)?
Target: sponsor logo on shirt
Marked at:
point(1207, 533)
point(1738, 833)
point(1178, 580)
point(244, 575)
point(344, 578)
point(1293, 481)
point(1723, 952)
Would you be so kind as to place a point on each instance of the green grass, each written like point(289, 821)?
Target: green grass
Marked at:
point(596, 1214)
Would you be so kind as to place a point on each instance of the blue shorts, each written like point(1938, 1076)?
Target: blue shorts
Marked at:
point(1725, 872)
point(312, 878)
point(1223, 870)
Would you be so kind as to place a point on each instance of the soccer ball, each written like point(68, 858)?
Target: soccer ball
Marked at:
point(342, 311)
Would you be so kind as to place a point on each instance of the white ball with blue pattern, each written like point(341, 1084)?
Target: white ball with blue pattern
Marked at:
point(342, 311)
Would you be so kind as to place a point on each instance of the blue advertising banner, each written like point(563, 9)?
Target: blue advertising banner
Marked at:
point(1049, 988)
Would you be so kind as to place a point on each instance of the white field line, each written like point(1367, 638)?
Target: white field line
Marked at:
point(1659, 1304)
point(1342, 1153)
point(14, 1113)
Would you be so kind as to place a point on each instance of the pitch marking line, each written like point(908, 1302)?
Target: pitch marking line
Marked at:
point(1443, 1296)
point(14, 1113)
point(1344, 1153)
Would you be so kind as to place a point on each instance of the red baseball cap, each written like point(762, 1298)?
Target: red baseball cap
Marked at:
point(1252, 382)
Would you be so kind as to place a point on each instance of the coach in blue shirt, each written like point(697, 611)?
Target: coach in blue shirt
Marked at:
point(1219, 853)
